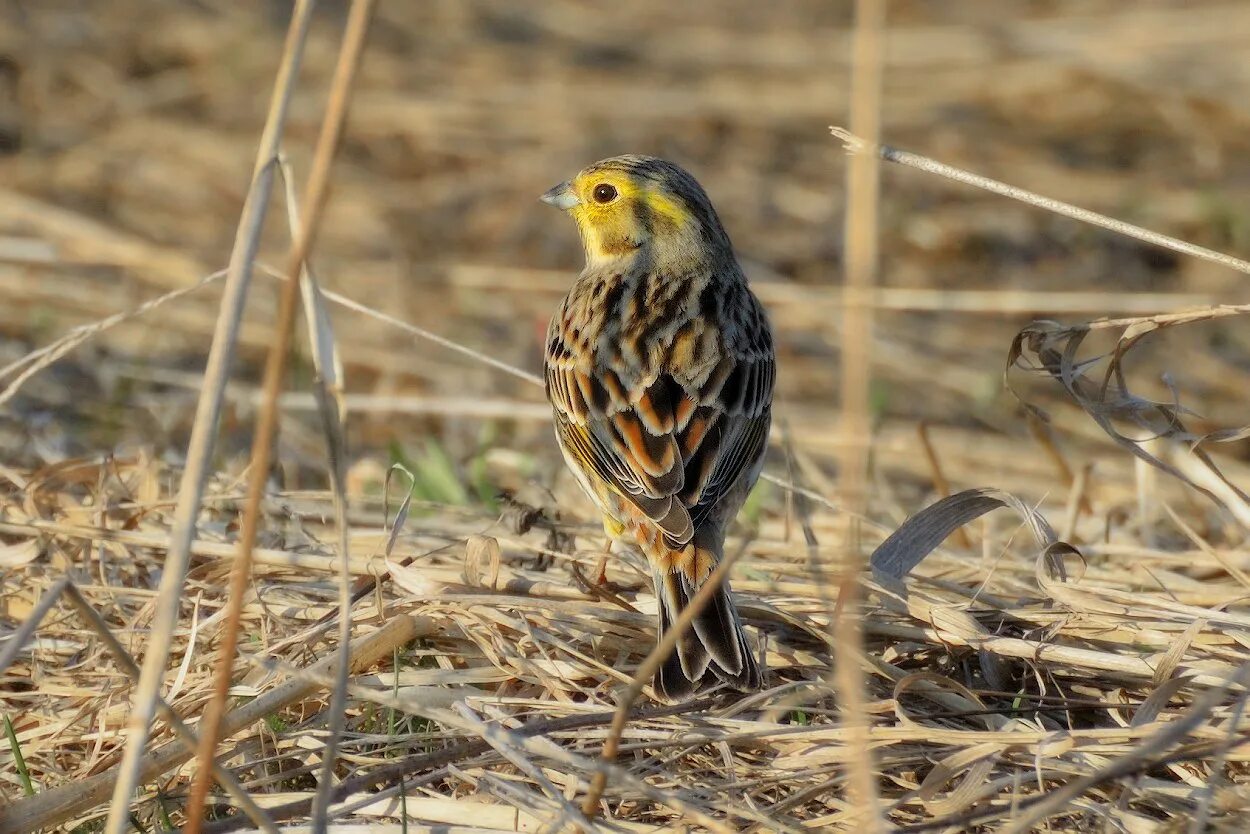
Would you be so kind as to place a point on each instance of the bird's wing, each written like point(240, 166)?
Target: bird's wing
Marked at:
point(672, 448)
point(601, 424)
point(742, 414)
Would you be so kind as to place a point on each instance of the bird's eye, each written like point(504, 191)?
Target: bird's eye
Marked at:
point(604, 193)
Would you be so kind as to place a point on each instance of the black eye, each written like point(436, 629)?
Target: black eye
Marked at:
point(604, 193)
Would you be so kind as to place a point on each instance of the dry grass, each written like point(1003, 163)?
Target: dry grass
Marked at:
point(1086, 677)
point(1037, 679)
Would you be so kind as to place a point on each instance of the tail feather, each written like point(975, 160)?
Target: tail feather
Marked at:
point(692, 652)
point(680, 675)
point(719, 630)
point(714, 649)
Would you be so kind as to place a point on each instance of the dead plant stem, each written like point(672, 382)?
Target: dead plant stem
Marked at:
point(204, 429)
point(275, 371)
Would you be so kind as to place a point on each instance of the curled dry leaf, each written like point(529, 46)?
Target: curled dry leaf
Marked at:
point(1052, 349)
point(924, 531)
point(482, 552)
point(921, 534)
point(411, 579)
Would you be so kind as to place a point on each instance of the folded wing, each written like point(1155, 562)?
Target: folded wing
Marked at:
point(671, 446)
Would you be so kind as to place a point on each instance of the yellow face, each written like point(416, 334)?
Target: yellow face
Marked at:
point(620, 210)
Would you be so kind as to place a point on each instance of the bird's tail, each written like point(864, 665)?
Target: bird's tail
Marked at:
point(715, 648)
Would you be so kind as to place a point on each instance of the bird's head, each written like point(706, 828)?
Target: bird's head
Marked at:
point(631, 205)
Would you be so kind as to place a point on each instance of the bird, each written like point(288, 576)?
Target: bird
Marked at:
point(660, 367)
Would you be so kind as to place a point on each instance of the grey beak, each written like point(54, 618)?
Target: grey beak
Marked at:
point(561, 196)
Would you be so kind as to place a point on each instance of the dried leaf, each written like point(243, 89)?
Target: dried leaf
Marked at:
point(1051, 349)
point(921, 534)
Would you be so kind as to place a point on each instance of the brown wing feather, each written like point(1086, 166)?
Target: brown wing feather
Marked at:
point(673, 450)
point(623, 434)
point(738, 440)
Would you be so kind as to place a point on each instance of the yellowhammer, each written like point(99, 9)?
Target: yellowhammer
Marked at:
point(660, 369)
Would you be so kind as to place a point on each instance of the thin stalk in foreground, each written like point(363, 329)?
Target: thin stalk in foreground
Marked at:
point(204, 429)
point(275, 371)
point(860, 266)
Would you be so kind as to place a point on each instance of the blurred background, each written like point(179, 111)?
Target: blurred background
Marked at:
point(128, 132)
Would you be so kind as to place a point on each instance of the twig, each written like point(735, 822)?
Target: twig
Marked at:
point(331, 406)
point(15, 641)
point(344, 301)
point(331, 409)
point(203, 431)
point(858, 145)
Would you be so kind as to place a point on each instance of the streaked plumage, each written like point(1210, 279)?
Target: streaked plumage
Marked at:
point(660, 368)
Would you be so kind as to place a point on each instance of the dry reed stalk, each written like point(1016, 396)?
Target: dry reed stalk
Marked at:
point(859, 265)
point(208, 412)
point(328, 384)
point(442, 341)
point(785, 299)
point(35, 361)
point(316, 189)
point(17, 640)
